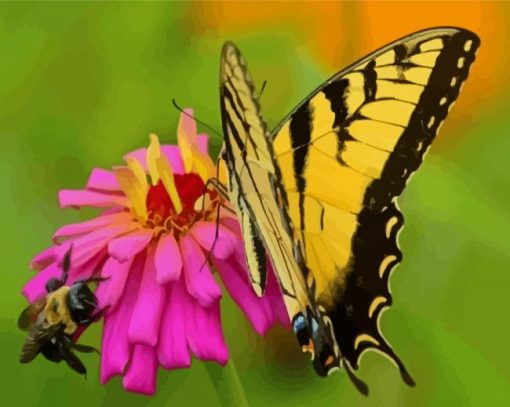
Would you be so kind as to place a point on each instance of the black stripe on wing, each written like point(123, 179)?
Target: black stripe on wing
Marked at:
point(300, 131)
point(375, 250)
point(445, 81)
point(366, 290)
point(370, 86)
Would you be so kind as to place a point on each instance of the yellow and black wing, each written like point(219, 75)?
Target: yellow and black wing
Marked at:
point(254, 184)
point(345, 153)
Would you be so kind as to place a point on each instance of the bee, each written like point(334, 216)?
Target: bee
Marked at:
point(52, 320)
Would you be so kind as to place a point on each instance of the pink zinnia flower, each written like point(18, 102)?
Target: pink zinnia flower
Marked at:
point(152, 239)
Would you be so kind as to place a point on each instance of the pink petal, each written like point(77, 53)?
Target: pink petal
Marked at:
point(91, 225)
point(173, 154)
point(88, 269)
point(203, 143)
point(110, 211)
point(203, 330)
point(274, 297)
point(145, 321)
point(140, 376)
point(139, 155)
point(188, 124)
point(263, 312)
point(173, 350)
point(103, 180)
point(116, 348)
point(168, 260)
point(36, 287)
point(232, 224)
point(87, 246)
point(236, 282)
point(128, 246)
point(226, 241)
point(199, 281)
point(81, 197)
point(110, 291)
point(43, 259)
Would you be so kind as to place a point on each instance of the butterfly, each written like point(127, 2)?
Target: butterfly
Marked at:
point(317, 196)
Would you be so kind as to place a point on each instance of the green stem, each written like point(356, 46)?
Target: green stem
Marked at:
point(228, 384)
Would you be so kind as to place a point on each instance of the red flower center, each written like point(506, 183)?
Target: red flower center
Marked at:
point(161, 209)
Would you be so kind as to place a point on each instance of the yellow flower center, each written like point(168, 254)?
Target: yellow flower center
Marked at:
point(169, 202)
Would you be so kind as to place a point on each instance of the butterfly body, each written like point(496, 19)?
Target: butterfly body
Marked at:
point(318, 194)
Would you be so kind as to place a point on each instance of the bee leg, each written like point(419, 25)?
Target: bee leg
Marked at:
point(52, 348)
point(75, 363)
point(92, 304)
point(85, 348)
point(52, 352)
point(53, 284)
point(78, 347)
point(66, 265)
point(63, 343)
point(96, 279)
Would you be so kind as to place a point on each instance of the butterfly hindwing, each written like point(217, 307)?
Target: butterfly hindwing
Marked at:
point(346, 152)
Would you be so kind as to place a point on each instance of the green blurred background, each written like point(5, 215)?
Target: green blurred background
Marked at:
point(83, 83)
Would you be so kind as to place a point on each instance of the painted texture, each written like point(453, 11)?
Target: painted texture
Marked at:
point(83, 83)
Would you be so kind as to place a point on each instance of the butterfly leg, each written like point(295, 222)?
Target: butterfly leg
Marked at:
point(216, 235)
point(218, 186)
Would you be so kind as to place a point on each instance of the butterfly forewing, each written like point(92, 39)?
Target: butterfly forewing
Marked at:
point(254, 182)
point(346, 152)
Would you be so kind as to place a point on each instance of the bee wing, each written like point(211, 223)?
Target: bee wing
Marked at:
point(29, 315)
point(40, 333)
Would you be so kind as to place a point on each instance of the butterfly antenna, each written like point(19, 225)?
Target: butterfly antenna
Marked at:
point(197, 120)
point(262, 88)
point(66, 265)
point(216, 236)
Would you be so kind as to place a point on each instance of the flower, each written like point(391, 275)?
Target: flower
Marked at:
point(154, 242)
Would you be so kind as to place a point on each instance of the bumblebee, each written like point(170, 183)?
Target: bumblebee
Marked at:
point(52, 320)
